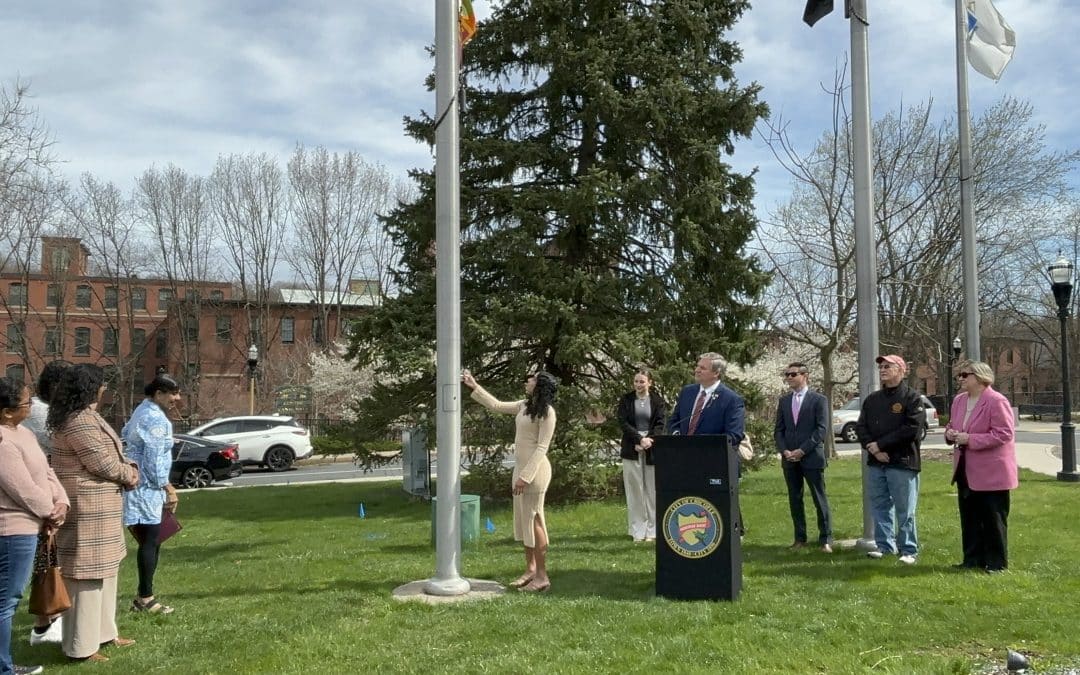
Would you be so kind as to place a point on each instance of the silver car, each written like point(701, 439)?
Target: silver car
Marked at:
point(845, 417)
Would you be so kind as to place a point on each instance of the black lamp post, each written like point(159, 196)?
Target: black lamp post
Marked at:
point(956, 345)
point(252, 363)
point(1061, 275)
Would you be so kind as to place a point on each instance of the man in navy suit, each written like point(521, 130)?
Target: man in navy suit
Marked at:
point(802, 421)
point(709, 407)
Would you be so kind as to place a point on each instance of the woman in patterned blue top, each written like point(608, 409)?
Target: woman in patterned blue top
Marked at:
point(149, 444)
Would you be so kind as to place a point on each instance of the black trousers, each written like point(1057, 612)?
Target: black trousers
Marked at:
point(984, 525)
point(147, 558)
point(795, 475)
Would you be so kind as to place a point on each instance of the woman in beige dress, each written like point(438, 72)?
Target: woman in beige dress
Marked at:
point(535, 425)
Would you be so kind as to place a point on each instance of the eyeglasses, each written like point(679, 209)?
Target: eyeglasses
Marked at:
point(963, 375)
point(792, 374)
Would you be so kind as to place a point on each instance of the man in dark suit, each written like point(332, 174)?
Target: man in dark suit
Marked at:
point(802, 422)
point(708, 406)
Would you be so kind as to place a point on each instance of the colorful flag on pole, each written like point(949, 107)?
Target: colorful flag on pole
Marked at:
point(466, 23)
point(990, 40)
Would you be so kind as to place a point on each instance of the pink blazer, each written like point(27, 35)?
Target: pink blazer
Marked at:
point(990, 457)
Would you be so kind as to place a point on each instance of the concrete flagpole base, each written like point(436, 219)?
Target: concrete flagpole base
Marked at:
point(421, 591)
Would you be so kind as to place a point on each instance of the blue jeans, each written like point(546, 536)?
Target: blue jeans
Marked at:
point(894, 492)
point(16, 564)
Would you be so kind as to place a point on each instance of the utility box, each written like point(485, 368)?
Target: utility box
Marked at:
point(415, 462)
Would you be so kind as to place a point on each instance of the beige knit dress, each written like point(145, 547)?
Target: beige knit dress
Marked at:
point(531, 441)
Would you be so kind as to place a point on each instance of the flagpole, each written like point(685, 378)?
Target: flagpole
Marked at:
point(447, 580)
point(865, 259)
point(967, 216)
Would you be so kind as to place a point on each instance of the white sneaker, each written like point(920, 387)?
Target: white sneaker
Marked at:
point(907, 559)
point(54, 633)
point(28, 670)
point(876, 555)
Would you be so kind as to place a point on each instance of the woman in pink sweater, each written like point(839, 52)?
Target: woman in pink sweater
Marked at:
point(30, 498)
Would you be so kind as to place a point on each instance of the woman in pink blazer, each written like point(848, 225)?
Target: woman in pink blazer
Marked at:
point(984, 466)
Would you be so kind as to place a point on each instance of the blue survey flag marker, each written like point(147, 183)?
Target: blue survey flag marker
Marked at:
point(489, 526)
point(360, 511)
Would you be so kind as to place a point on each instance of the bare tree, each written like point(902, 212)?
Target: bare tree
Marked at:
point(175, 206)
point(336, 203)
point(809, 240)
point(250, 208)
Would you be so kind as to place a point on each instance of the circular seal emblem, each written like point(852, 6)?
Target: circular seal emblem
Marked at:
point(897, 408)
point(692, 527)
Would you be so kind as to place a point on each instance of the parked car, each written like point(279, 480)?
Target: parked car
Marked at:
point(272, 441)
point(198, 462)
point(845, 417)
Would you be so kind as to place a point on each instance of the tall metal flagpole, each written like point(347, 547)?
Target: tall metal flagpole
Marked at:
point(447, 579)
point(967, 216)
point(865, 260)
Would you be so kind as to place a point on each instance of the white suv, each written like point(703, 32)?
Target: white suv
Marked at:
point(266, 440)
point(845, 417)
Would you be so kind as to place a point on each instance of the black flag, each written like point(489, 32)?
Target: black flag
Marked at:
point(815, 9)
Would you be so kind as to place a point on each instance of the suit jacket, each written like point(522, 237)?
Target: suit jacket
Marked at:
point(990, 455)
point(90, 465)
point(722, 414)
point(808, 434)
point(628, 423)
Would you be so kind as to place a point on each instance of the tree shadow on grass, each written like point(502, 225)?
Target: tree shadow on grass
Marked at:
point(841, 566)
point(329, 586)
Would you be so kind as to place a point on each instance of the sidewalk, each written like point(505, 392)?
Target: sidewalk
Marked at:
point(1042, 458)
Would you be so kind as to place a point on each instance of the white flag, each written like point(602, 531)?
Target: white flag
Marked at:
point(990, 41)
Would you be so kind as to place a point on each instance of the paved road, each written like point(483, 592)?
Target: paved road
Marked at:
point(340, 471)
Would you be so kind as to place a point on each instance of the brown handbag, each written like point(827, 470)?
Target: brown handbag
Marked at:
point(48, 595)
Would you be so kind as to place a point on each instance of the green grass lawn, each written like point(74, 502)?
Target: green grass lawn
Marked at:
point(290, 579)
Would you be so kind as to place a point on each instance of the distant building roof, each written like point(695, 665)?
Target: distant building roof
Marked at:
point(303, 296)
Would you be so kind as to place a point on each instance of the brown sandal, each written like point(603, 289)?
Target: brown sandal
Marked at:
point(521, 581)
point(534, 587)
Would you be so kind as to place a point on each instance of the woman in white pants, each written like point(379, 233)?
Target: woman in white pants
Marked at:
point(641, 416)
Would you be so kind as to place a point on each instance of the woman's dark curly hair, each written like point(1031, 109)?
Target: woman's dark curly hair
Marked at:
point(48, 378)
point(543, 395)
point(11, 392)
point(76, 390)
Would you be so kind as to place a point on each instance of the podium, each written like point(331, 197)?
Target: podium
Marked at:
point(698, 547)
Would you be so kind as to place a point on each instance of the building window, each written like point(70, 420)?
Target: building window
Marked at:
point(61, 258)
point(52, 340)
point(111, 344)
point(16, 338)
point(82, 297)
point(17, 372)
point(317, 330)
point(52, 295)
point(1010, 357)
point(217, 296)
point(288, 329)
point(161, 344)
point(192, 372)
point(191, 328)
point(191, 296)
point(17, 295)
point(138, 298)
point(164, 297)
point(223, 329)
point(138, 341)
point(112, 297)
point(82, 342)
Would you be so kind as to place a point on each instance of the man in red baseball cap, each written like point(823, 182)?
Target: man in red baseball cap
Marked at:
point(889, 426)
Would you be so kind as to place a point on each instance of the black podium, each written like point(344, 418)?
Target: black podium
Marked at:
point(698, 549)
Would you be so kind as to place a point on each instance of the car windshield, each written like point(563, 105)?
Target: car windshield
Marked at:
point(853, 404)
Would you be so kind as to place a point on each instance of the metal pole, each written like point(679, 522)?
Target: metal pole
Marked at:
point(967, 216)
point(951, 363)
point(1068, 433)
point(447, 579)
point(251, 392)
point(865, 260)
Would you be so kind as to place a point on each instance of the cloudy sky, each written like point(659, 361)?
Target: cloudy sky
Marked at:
point(127, 84)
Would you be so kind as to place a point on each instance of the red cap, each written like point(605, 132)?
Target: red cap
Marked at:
point(894, 359)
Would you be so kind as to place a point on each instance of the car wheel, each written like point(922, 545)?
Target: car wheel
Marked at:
point(848, 435)
point(196, 477)
point(279, 458)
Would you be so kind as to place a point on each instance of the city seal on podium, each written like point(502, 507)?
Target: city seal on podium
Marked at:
point(692, 527)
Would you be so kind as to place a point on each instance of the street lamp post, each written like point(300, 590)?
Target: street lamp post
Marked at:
point(252, 363)
point(1061, 275)
point(954, 357)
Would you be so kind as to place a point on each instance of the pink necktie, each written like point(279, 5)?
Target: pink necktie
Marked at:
point(796, 403)
point(695, 416)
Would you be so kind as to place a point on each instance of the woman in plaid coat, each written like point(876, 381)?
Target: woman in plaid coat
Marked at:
point(88, 460)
